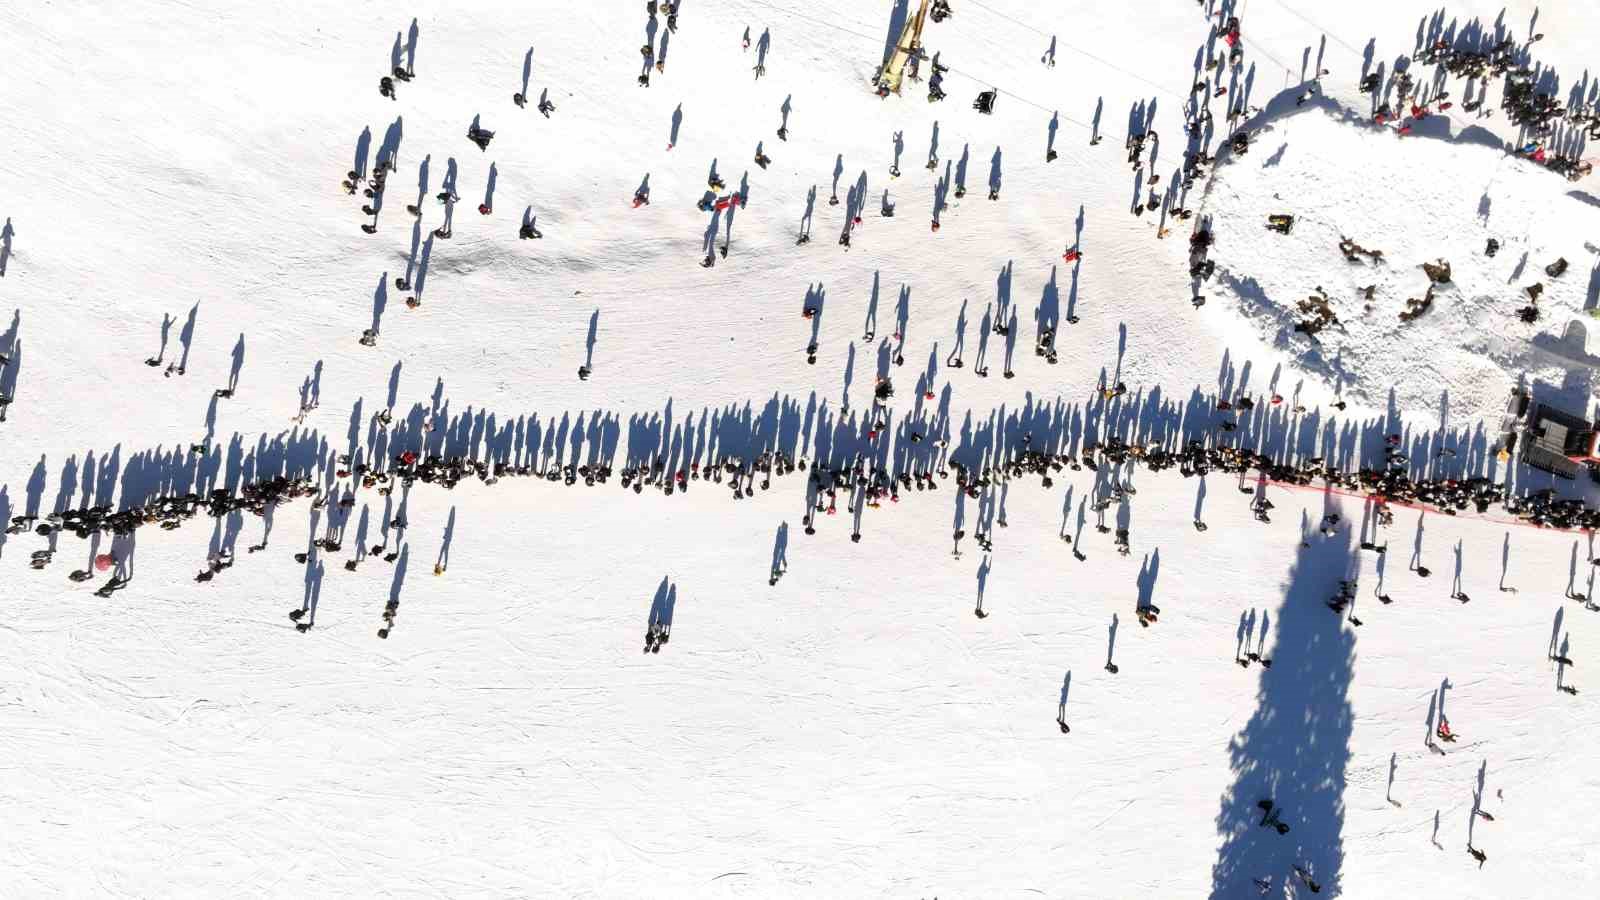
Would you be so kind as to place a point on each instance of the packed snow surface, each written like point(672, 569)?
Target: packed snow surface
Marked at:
point(170, 189)
point(1416, 200)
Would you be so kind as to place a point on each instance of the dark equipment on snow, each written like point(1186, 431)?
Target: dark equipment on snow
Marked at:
point(1557, 442)
point(985, 102)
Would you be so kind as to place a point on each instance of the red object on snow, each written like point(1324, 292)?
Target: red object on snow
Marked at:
point(484, 209)
point(1405, 129)
point(1538, 155)
point(1071, 255)
point(730, 200)
point(104, 561)
point(408, 457)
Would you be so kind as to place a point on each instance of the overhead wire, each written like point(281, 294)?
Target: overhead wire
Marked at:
point(971, 77)
point(1078, 50)
point(1338, 40)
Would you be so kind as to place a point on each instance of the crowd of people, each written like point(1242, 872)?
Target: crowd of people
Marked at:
point(867, 479)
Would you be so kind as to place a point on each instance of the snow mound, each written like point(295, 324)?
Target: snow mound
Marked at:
point(1417, 199)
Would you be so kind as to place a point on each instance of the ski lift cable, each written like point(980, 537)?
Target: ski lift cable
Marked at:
point(1077, 50)
point(1339, 40)
point(1256, 47)
point(952, 69)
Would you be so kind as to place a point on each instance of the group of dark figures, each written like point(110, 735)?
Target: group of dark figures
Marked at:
point(1535, 111)
point(865, 482)
point(168, 513)
point(870, 483)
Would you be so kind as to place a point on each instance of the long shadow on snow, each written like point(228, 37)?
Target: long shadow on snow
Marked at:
point(1295, 748)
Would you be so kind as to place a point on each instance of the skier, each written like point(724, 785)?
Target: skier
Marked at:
point(1305, 878)
point(1444, 732)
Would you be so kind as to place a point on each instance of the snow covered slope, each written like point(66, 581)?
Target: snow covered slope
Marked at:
point(1417, 201)
point(852, 730)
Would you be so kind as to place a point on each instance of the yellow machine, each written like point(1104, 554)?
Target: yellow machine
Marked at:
point(906, 49)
